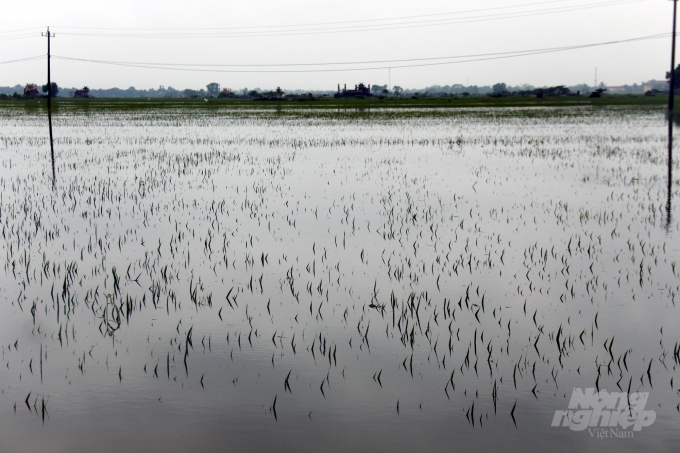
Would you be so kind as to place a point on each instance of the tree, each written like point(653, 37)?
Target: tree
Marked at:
point(397, 90)
point(500, 87)
point(561, 89)
point(53, 91)
point(213, 89)
point(582, 87)
point(376, 89)
point(226, 93)
point(597, 93)
point(676, 80)
point(554, 91)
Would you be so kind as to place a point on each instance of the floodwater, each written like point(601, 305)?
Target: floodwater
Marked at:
point(294, 280)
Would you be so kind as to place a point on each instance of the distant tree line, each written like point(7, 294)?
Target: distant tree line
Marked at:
point(214, 90)
point(498, 88)
point(211, 90)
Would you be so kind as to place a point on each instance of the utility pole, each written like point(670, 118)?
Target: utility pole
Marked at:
point(671, 87)
point(49, 81)
point(49, 103)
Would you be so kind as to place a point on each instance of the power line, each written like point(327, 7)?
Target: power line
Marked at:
point(661, 35)
point(434, 63)
point(357, 28)
point(20, 29)
point(37, 57)
point(12, 38)
point(323, 23)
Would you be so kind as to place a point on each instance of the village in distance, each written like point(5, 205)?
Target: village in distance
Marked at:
point(359, 91)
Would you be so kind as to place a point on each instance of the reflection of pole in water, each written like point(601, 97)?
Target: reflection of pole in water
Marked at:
point(670, 171)
point(49, 104)
point(671, 86)
point(54, 171)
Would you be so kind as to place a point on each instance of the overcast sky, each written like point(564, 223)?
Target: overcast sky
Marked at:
point(269, 32)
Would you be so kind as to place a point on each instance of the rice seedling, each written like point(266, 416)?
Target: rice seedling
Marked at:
point(475, 257)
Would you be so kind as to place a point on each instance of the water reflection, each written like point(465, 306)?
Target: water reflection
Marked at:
point(671, 119)
point(54, 172)
point(498, 291)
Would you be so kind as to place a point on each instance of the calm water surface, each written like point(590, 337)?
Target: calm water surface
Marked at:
point(292, 280)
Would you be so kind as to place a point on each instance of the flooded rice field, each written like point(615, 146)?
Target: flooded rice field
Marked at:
point(339, 280)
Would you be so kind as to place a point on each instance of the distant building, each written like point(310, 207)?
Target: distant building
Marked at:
point(300, 96)
point(84, 93)
point(658, 85)
point(31, 90)
point(359, 90)
point(277, 95)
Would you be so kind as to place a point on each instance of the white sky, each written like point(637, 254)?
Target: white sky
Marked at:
point(617, 64)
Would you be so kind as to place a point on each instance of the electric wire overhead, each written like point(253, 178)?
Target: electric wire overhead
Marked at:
point(433, 61)
point(322, 23)
point(288, 30)
point(37, 57)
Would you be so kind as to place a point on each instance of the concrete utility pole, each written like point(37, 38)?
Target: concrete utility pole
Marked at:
point(49, 81)
point(49, 102)
point(671, 87)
